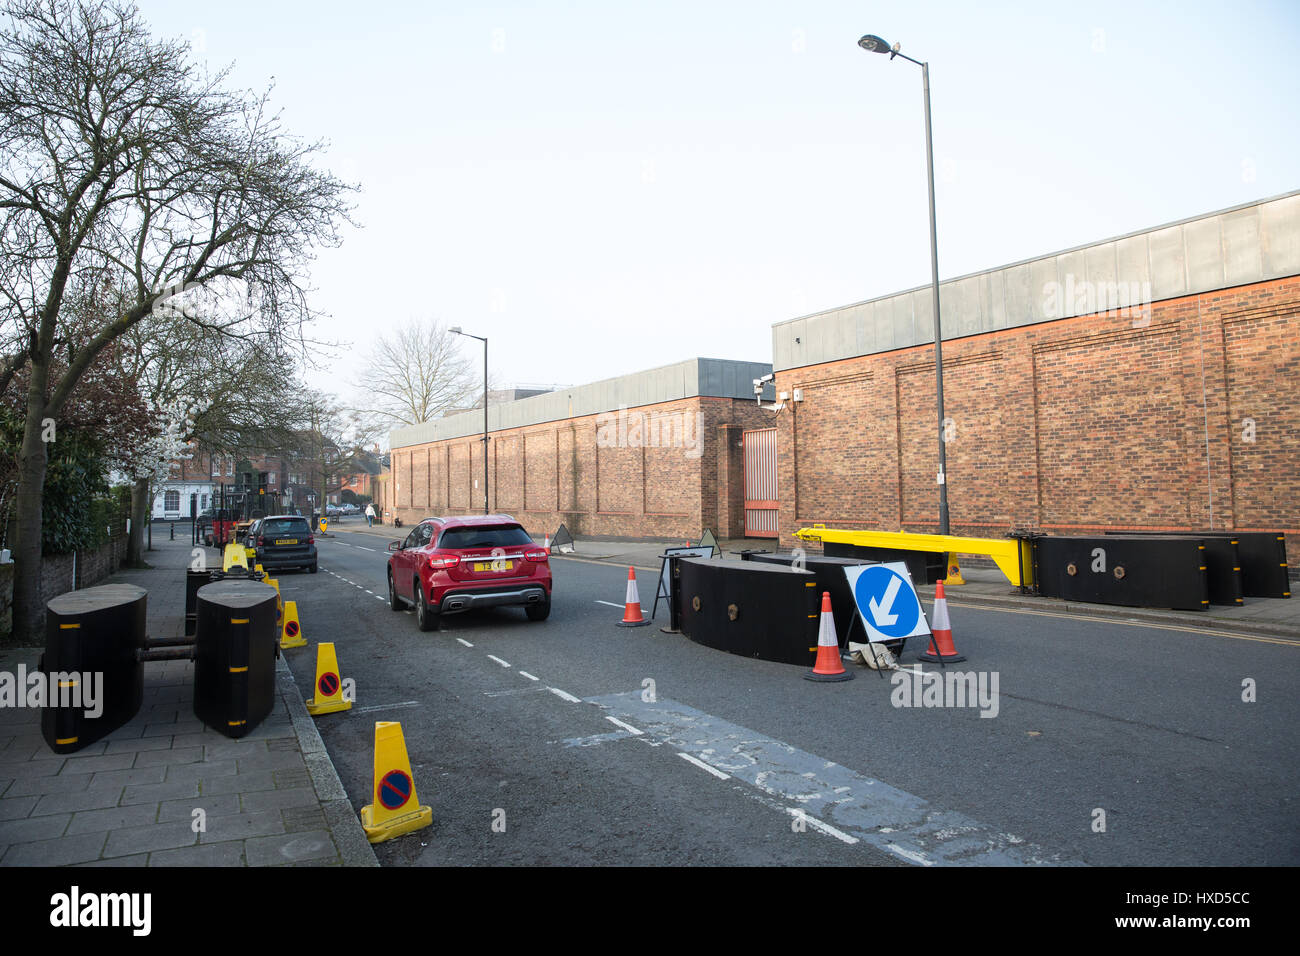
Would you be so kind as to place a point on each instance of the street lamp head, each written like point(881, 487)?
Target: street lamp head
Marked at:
point(873, 44)
point(456, 329)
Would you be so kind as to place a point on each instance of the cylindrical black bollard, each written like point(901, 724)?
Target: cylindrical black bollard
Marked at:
point(94, 677)
point(234, 655)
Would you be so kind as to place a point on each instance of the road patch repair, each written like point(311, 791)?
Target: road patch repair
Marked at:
point(827, 796)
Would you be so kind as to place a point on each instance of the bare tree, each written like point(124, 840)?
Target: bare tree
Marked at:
point(417, 374)
point(125, 167)
point(235, 397)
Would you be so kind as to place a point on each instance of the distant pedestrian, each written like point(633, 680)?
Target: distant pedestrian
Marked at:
point(370, 516)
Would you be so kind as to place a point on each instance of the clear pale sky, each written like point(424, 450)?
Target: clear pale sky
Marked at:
point(604, 187)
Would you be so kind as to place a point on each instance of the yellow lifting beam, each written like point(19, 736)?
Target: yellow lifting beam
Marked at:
point(1009, 554)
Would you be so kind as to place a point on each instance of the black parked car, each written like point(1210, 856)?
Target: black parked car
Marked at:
point(285, 541)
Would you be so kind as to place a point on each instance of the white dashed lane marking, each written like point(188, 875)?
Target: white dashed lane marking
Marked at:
point(465, 642)
point(628, 727)
point(702, 765)
point(493, 657)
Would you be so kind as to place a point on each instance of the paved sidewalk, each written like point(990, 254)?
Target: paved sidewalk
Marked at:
point(271, 798)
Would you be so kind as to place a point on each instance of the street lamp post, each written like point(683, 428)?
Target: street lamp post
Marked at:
point(458, 331)
point(874, 44)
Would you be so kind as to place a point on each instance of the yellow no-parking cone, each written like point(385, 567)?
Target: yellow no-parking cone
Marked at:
point(395, 809)
point(292, 636)
point(329, 686)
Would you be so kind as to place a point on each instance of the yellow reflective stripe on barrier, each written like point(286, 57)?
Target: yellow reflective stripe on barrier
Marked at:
point(1006, 553)
point(68, 683)
point(66, 740)
point(239, 620)
point(238, 670)
point(235, 723)
point(68, 627)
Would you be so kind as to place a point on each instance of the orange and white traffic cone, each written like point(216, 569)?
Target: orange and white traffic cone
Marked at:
point(829, 666)
point(546, 545)
point(632, 608)
point(942, 650)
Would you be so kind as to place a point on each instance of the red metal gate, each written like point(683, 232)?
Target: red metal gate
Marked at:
point(759, 448)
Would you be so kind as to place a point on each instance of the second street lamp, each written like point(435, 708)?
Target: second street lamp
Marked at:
point(457, 330)
point(874, 44)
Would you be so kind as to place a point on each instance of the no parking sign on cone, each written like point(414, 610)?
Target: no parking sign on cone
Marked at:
point(395, 809)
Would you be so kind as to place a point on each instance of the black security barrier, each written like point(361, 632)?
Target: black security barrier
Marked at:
point(925, 567)
point(1264, 570)
point(1260, 560)
point(193, 581)
point(749, 608)
point(1222, 563)
point(92, 665)
point(830, 575)
point(1133, 571)
point(235, 648)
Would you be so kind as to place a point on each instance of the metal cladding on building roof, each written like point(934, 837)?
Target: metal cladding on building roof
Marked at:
point(697, 377)
point(1250, 243)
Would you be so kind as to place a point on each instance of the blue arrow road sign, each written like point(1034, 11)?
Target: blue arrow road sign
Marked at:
point(887, 601)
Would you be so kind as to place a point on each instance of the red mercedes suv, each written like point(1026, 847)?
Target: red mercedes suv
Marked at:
point(447, 565)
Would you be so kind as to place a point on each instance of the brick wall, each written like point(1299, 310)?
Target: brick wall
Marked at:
point(1090, 423)
point(92, 567)
point(650, 471)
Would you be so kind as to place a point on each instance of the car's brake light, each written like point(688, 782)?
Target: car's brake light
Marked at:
point(535, 555)
point(261, 542)
point(440, 560)
point(311, 539)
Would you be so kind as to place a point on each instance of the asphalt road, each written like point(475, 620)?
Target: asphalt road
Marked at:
point(1145, 725)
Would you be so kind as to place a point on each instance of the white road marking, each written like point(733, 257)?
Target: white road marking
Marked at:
point(628, 727)
point(493, 657)
point(907, 854)
point(462, 640)
point(824, 827)
point(864, 809)
point(359, 548)
point(563, 696)
point(343, 544)
point(374, 707)
point(610, 603)
point(528, 675)
point(703, 766)
point(380, 597)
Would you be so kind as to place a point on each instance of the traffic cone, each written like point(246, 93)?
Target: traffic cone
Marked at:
point(941, 649)
point(632, 608)
point(395, 809)
point(292, 635)
point(954, 572)
point(546, 545)
point(329, 688)
point(829, 666)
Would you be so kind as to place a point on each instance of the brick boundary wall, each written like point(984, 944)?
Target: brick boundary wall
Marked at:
point(56, 576)
point(1075, 426)
point(569, 472)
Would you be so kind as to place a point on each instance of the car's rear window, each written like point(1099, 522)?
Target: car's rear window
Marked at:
point(488, 536)
point(283, 526)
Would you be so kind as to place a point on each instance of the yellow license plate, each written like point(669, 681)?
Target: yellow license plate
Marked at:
point(494, 565)
point(286, 540)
